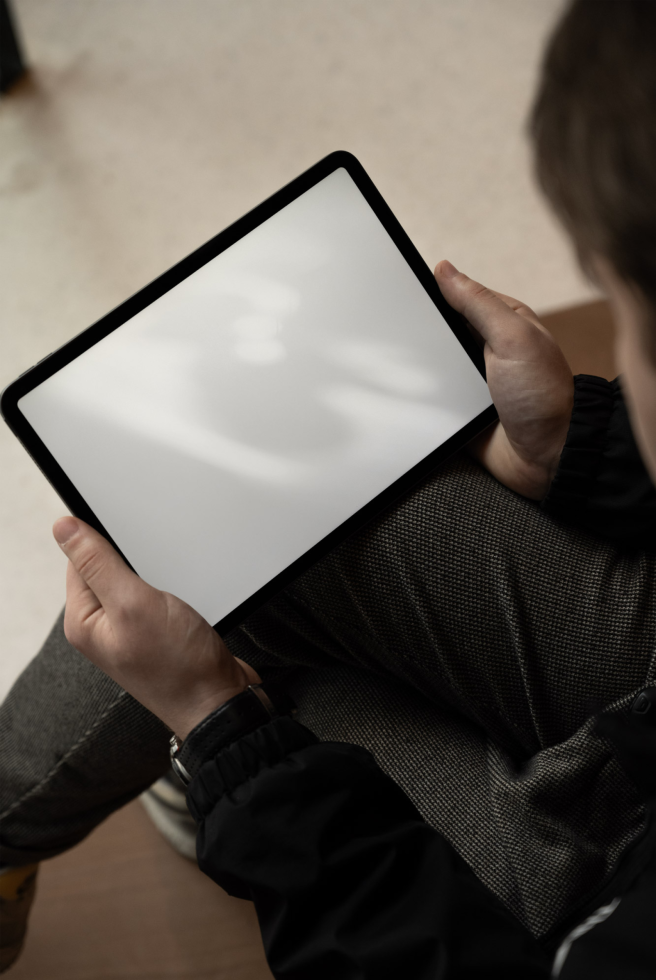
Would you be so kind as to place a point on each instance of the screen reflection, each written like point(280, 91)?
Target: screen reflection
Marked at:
point(231, 425)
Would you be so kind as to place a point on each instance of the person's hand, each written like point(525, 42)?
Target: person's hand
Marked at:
point(529, 380)
point(155, 646)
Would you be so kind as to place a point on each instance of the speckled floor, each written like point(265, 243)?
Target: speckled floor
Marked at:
point(148, 125)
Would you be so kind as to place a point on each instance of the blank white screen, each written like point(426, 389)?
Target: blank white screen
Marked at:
point(231, 425)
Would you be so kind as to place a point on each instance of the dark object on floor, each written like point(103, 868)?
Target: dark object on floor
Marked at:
point(17, 888)
point(12, 66)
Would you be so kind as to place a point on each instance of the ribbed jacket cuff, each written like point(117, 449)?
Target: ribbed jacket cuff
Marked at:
point(234, 765)
point(581, 458)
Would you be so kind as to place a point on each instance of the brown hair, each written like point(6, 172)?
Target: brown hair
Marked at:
point(594, 132)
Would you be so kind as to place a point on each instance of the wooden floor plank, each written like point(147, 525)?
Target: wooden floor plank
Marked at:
point(124, 905)
point(585, 334)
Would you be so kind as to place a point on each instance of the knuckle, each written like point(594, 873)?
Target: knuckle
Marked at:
point(131, 610)
point(521, 309)
point(477, 290)
point(73, 633)
point(88, 563)
point(128, 609)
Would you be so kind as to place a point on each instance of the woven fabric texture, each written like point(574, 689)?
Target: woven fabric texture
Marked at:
point(466, 638)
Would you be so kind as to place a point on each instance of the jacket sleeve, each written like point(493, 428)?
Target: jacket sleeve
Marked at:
point(601, 484)
point(624, 944)
point(347, 879)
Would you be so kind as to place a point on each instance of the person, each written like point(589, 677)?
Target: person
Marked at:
point(489, 640)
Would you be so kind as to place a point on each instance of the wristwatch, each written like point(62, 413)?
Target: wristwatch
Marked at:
point(240, 715)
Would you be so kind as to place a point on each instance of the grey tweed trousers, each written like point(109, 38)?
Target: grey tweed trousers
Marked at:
point(463, 637)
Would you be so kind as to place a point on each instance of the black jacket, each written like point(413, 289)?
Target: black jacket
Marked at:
point(347, 879)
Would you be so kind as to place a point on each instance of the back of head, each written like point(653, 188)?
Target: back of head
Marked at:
point(594, 131)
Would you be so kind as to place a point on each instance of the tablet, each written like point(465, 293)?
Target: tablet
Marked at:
point(242, 414)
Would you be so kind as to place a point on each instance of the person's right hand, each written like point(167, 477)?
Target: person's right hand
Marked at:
point(154, 645)
point(529, 379)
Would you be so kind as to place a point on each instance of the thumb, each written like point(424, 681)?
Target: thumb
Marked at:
point(482, 307)
point(96, 562)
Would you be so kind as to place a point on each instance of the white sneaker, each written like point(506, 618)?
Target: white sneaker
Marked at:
point(166, 805)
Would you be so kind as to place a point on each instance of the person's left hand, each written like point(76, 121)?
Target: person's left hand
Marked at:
point(529, 379)
point(155, 646)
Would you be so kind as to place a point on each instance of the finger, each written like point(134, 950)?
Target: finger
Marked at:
point(82, 608)
point(490, 315)
point(96, 562)
point(521, 308)
point(80, 599)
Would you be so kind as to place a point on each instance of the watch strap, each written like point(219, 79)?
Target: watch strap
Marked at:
point(240, 715)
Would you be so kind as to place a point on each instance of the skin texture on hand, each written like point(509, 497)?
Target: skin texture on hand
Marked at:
point(155, 646)
point(529, 379)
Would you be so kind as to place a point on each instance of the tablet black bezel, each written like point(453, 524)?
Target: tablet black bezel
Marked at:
point(49, 365)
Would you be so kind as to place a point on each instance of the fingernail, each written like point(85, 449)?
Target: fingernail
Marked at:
point(64, 529)
point(447, 269)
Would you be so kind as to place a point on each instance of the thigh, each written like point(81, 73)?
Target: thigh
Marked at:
point(461, 623)
point(470, 594)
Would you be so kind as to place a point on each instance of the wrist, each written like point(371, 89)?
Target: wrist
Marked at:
point(189, 711)
point(183, 720)
point(239, 716)
point(530, 477)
